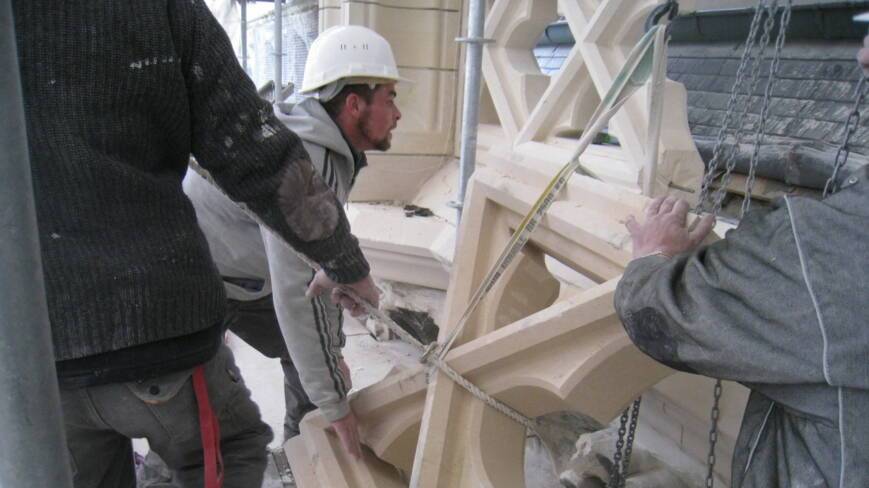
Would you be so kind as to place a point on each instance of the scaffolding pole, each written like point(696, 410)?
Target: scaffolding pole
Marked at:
point(279, 48)
point(243, 5)
point(471, 110)
point(32, 442)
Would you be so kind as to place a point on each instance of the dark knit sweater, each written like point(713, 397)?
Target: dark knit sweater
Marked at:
point(118, 95)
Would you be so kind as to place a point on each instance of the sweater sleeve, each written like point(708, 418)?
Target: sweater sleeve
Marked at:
point(737, 309)
point(254, 158)
point(312, 329)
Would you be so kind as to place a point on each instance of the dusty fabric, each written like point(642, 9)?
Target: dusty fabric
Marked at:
point(101, 420)
point(256, 323)
point(117, 96)
point(779, 305)
point(257, 265)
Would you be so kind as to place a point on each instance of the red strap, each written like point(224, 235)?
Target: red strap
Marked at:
point(209, 428)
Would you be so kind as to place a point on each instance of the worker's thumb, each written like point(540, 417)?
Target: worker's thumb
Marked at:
point(698, 233)
point(632, 225)
point(318, 285)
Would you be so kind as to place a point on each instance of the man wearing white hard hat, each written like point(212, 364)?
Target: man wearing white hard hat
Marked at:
point(350, 78)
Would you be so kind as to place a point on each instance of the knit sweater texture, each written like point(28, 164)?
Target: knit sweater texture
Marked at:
point(118, 96)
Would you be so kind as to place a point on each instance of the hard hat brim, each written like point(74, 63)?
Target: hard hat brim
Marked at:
point(373, 79)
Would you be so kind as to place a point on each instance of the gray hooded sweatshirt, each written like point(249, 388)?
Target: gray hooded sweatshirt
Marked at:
point(244, 252)
point(782, 306)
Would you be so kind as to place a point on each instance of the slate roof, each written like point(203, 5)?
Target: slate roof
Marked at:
point(811, 99)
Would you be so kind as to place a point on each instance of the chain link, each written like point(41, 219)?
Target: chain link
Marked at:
point(851, 126)
point(713, 434)
point(616, 471)
point(760, 129)
point(629, 443)
point(624, 445)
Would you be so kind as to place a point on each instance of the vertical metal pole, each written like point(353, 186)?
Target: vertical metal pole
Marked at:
point(471, 110)
point(244, 35)
point(32, 442)
point(279, 48)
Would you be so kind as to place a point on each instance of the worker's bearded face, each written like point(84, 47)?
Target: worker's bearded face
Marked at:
point(380, 117)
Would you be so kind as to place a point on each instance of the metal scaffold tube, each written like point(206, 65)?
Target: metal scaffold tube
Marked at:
point(279, 48)
point(243, 5)
point(32, 443)
point(471, 110)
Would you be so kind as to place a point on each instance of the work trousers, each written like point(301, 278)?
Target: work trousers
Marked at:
point(256, 323)
point(101, 421)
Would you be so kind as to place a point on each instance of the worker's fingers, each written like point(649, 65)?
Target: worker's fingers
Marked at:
point(353, 307)
point(667, 205)
point(320, 283)
point(348, 433)
point(696, 235)
point(356, 310)
point(314, 290)
point(654, 206)
point(632, 225)
point(680, 211)
point(341, 298)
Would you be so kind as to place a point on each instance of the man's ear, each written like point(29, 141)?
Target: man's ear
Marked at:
point(354, 105)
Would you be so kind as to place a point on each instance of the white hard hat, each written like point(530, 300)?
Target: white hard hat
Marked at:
point(348, 51)
point(864, 17)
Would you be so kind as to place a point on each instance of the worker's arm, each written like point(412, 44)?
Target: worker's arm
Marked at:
point(254, 158)
point(312, 329)
point(738, 309)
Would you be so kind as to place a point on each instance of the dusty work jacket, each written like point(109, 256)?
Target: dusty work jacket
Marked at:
point(782, 306)
point(244, 252)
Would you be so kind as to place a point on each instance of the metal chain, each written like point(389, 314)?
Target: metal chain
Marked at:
point(713, 435)
point(745, 105)
point(624, 445)
point(712, 167)
point(851, 126)
point(629, 443)
point(760, 130)
point(616, 471)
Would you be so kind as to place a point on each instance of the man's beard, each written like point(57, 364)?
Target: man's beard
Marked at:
point(382, 144)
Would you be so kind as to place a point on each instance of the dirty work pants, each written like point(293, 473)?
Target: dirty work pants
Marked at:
point(101, 420)
point(256, 323)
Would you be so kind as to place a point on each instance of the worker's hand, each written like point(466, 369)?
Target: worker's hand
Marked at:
point(664, 230)
point(863, 56)
point(348, 432)
point(364, 288)
point(345, 372)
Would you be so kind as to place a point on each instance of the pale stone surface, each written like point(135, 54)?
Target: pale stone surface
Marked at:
point(537, 344)
point(536, 354)
point(400, 248)
point(532, 107)
point(605, 45)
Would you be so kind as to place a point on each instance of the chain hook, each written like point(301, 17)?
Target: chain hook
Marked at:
point(670, 9)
